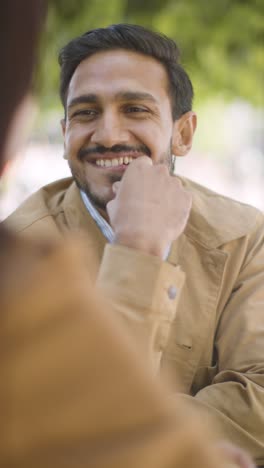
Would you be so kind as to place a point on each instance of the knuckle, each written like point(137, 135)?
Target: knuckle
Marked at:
point(188, 197)
point(162, 169)
point(176, 181)
point(179, 183)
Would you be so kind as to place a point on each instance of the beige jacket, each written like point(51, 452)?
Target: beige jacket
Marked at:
point(209, 339)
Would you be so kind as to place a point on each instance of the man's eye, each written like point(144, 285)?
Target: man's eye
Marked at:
point(136, 109)
point(85, 112)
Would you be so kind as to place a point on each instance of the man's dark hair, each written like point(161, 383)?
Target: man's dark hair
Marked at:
point(134, 38)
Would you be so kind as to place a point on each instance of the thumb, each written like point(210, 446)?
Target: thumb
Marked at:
point(143, 161)
point(115, 187)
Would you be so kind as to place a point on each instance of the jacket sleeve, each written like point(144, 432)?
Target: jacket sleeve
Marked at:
point(145, 292)
point(235, 398)
point(138, 286)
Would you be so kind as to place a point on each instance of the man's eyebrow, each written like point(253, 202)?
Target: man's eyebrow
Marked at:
point(135, 96)
point(83, 99)
point(122, 95)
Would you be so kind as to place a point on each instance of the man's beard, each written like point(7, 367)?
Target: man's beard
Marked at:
point(99, 201)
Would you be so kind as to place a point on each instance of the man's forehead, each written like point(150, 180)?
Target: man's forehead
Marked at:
point(118, 70)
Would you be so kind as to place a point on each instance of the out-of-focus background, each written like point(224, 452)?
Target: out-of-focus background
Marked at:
point(222, 44)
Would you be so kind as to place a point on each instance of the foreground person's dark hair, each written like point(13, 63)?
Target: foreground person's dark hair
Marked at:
point(20, 24)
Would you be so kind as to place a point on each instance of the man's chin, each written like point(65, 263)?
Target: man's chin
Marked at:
point(101, 197)
point(98, 201)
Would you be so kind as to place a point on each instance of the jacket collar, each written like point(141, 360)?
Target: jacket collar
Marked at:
point(214, 219)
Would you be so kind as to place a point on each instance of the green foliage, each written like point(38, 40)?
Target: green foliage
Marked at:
point(221, 40)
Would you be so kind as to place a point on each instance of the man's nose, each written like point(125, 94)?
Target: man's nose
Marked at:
point(109, 131)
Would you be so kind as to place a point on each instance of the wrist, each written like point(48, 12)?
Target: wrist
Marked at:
point(141, 243)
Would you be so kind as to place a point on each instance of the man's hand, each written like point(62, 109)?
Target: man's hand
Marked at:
point(150, 208)
point(236, 455)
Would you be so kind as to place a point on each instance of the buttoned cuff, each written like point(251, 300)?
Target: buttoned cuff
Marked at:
point(144, 283)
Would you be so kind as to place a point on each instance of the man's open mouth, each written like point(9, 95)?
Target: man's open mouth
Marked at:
point(114, 162)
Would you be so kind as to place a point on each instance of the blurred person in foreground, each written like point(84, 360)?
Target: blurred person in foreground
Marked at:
point(181, 264)
point(72, 390)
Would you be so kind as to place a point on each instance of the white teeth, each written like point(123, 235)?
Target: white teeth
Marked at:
point(114, 162)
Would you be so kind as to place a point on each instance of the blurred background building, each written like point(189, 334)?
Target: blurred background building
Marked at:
point(222, 46)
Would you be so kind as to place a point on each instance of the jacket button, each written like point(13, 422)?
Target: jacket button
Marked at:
point(172, 292)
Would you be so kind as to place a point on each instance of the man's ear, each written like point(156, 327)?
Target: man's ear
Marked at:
point(183, 133)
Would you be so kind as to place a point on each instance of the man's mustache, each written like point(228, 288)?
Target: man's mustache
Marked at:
point(100, 149)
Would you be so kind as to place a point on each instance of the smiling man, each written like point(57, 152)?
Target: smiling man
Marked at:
point(118, 108)
point(182, 266)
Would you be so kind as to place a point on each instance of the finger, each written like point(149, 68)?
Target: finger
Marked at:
point(238, 455)
point(116, 186)
point(143, 161)
point(109, 207)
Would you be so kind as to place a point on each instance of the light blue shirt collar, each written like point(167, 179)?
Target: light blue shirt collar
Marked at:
point(103, 225)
